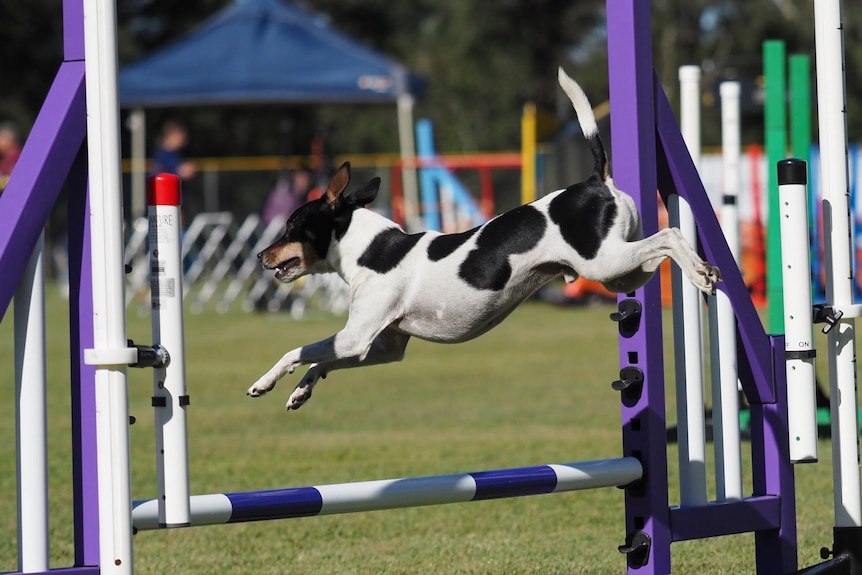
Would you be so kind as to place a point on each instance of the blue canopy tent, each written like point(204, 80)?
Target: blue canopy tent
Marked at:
point(265, 51)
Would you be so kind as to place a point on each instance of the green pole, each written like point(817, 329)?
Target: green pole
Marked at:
point(799, 66)
point(800, 105)
point(776, 149)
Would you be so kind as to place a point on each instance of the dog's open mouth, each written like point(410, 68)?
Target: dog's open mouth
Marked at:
point(282, 269)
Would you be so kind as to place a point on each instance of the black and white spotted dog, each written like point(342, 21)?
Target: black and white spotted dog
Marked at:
point(450, 288)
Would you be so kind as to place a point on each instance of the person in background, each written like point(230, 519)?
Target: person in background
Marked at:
point(288, 194)
point(10, 149)
point(168, 154)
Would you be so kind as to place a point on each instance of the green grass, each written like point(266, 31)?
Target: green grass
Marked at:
point(535, 390)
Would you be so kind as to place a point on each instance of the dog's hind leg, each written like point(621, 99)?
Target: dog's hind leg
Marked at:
point(389, 346)
point(643, 257)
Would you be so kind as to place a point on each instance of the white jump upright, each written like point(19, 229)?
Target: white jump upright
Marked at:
point(798, 323)
point(31, 417)
point(170, 400)
point(110, 354)
point(688, 357)
point(835, 192)
point(722, 321)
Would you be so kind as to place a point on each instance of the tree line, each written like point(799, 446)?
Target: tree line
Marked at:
point(482, 62)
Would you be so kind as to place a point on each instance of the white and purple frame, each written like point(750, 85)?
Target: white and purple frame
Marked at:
point(647, 141)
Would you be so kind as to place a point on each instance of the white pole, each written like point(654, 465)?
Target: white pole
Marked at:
point(686, 318)
point(110, 353)
point(220, 508)
point(731, 152)
point(725, 376)
point(831, 108)
point(137, 124)
point(31, 415)
point(169, 381)
point(412, 217)
point(798, 323)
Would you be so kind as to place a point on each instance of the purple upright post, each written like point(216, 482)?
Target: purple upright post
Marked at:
point(52, 152)
point(633, 139)
point(84, 463)
point(83, 377)
point(642, 120)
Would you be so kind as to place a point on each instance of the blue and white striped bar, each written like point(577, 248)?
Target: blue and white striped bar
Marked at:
point(336, 498)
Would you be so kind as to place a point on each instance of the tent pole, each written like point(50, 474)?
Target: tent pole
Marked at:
point(408, 155)
point(136, 123)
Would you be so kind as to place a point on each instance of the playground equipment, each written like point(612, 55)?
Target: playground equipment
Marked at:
point(647, 136)
point(446, 204)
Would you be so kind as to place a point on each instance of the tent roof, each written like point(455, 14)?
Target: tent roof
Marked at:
point(262, 51)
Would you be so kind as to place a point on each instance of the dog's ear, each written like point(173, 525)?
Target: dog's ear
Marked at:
point(337, 185)
point(364, 195)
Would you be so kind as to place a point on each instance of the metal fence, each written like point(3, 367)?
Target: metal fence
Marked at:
point(221, 269)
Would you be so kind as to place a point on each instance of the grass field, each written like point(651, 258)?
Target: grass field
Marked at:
point(535, 390)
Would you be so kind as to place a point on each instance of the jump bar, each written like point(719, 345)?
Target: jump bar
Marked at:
point(220, 508)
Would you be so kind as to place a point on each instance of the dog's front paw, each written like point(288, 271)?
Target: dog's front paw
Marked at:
point(298, 398)
point(261, 387)
point(709, 275)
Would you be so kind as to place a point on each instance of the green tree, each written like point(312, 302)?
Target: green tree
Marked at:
point(482, 62)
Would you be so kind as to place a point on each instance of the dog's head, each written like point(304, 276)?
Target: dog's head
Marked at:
point(312, 228)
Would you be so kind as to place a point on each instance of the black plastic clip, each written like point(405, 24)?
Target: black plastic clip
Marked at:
point(150, 355)
point(630, 384)
point(628, 315)
point(825, 313)
point(636, 549)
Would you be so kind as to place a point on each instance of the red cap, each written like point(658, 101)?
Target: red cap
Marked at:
point(164, 190)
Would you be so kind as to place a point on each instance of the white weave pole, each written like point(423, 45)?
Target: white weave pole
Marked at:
point(835, 192)
point(31, 418)
point(686, 317)
point(722, 321)
point(110, 354)
point(798, 324)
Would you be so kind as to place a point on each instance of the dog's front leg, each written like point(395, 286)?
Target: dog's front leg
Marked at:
point(323, 350)
point(389, 346)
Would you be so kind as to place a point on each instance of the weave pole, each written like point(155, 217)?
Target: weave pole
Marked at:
point(722, 320)
point(31, 415)
point(687, 317)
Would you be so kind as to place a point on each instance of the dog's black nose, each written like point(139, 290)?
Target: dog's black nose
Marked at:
point(259, 255)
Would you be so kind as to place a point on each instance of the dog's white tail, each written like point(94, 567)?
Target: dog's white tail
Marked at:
point(582, 105)
point(586, 119)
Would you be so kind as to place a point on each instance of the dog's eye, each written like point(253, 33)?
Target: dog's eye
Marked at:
point(311, 235)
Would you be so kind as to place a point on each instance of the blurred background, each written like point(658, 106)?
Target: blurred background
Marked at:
point(477, 72)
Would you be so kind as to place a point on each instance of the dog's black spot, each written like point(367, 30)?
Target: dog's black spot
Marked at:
point(444, 245)
point(585, 213)
point(487, 266)
point(313, 224)
point(387, 249)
